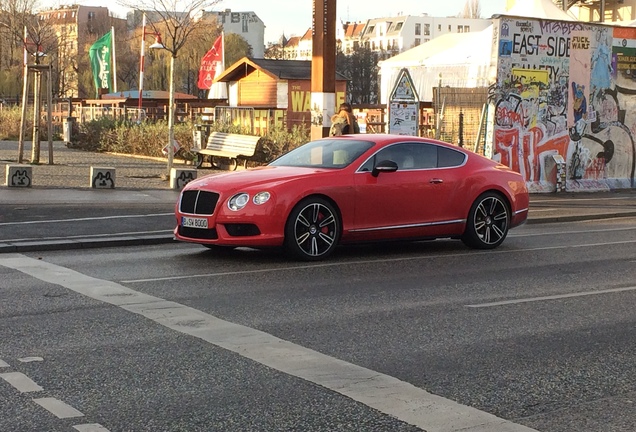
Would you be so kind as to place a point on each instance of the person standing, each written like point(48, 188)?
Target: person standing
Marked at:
point(346, 112)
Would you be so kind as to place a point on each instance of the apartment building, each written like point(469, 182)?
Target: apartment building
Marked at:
point(75, 26)
point(246, 24)
point(393, 35)
point(389, 35)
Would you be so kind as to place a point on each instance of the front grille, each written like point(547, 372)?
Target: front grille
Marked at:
point(242, 230)
point(198, 233)
point(198, 202)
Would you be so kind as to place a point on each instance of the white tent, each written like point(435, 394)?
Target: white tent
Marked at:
point(544, 9)
point(457, 60)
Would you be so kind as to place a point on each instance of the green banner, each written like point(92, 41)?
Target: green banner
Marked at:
point(101, 63)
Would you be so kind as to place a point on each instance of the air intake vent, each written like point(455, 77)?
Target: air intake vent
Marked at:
point(198, 202)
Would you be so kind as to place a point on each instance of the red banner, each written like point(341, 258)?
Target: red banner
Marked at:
point(211, 65)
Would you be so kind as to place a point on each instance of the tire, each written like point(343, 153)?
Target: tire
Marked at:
point(488, 222)
point(312, 230)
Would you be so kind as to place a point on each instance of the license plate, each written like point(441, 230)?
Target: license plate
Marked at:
point(193, 222)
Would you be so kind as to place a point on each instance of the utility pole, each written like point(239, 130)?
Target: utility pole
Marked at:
point(323, 67)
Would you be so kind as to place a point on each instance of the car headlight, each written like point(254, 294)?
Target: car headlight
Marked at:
point(261, 198)
point(238, 201)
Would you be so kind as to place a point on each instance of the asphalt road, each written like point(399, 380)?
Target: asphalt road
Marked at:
point(538, 333)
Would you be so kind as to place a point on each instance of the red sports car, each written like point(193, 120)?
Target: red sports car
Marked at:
point(355, 188)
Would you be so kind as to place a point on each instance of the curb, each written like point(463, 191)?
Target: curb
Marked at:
point(58, 245)
point(579, 218)
point(55, 245)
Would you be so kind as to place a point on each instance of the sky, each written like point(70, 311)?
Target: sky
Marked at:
point(293, 17)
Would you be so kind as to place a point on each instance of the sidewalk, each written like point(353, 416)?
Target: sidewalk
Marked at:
point(71, 168)
point(145, 202)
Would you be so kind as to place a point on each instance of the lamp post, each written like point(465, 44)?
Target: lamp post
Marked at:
point(155, 45)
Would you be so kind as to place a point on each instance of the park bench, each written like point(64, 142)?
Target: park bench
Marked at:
point(225, 149)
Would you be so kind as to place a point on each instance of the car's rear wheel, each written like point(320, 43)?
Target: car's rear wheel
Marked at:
point(312, 230)
point(488, 222)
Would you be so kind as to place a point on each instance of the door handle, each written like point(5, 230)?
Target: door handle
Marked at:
point(436, 181)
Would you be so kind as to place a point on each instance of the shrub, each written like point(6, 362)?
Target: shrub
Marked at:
point(145, 139)
point(10, 116)
point(148, 139)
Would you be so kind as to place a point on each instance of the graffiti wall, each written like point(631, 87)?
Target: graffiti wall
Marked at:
point(565, 94)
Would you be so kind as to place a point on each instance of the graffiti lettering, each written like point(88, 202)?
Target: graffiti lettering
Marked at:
point(565, 28)
point(558, 47)
point(525, 44)
point(580, 42)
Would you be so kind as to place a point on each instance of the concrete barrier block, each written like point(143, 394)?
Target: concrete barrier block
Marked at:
point(19, 175)
point(179, 177)
point(102, 177)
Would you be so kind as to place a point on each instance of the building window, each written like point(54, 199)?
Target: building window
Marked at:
point(91, 16)
point(450, 28)
point(418, 29)
point(466, 29)
point(439, 27)
point(417, 41)
point(371, 28)
point(398, 26)
point(427, 29)
point(73, 14)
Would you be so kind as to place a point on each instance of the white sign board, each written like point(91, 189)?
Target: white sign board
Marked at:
point(404, 107)
point(403, 118)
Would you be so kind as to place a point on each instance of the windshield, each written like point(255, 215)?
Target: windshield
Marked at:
point(324, 153)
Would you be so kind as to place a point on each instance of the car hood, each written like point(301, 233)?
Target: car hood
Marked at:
point(267, 175)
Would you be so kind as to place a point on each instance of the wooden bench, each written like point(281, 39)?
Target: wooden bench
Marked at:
point(228, 146)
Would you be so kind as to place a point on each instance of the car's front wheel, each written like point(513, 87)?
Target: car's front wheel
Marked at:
point(312, 230)
point(488, 222)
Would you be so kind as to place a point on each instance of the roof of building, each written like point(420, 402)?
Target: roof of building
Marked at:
point(292, 42)
point(147, 94)
point(353, 30)
point(277, 69)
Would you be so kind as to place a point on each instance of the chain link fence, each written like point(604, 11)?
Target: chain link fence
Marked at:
point(460, 115)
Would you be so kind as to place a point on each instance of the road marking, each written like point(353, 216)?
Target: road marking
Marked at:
point(58, 408)
point(3, 364)
point(21, 382)
point(552, 297)
point(97, 218)
point(30, 359)
point(374, 261)
point(384, 393)
point(92, 427)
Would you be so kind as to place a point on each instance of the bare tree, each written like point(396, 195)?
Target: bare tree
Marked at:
point(472, 9)
point(175, 29)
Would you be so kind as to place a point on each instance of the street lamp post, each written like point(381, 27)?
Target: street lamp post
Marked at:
point(155, 45)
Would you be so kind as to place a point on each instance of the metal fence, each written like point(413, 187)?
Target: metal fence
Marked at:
point(460, 116)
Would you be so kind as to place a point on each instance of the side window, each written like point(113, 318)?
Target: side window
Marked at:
point(407, 156)
point(449, 158)
point(415, 156)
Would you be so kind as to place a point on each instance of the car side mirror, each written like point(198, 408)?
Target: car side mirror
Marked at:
point(384, 166)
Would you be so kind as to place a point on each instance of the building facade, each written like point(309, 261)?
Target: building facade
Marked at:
point(75, 28)
point(245, 24)
point(389, 35)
